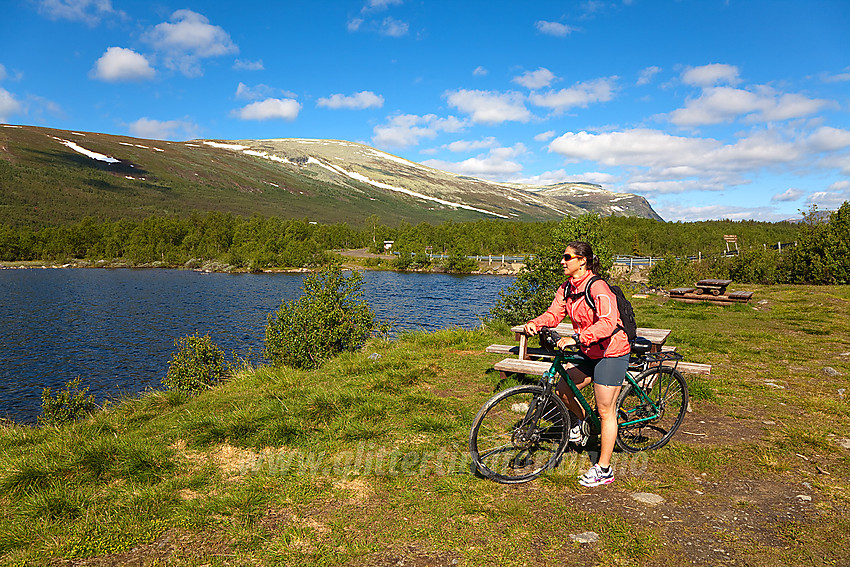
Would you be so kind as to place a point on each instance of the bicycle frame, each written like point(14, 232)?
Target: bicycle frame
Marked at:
point(557, 370)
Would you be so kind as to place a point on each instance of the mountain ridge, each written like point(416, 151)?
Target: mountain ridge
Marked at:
point(51, 176)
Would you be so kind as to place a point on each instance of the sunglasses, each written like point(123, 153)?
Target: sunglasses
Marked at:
point(568, 257)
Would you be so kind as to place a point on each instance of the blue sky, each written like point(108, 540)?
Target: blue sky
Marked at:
point(708, 108)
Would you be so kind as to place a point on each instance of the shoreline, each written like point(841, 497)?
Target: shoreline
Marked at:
point(220, 268)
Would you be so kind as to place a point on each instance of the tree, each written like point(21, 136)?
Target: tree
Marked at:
point(821, 254)
point(330, 317)
point(532, 291)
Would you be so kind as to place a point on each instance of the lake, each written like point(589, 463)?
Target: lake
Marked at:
point(115, 328)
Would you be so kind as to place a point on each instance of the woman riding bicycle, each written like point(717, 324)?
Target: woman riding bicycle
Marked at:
point(600, 338)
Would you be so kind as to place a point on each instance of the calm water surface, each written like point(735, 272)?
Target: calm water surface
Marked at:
point(116, 328)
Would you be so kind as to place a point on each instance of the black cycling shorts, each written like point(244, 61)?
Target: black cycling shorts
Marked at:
point(605, 371)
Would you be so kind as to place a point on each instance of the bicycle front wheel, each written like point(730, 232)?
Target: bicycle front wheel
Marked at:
point(518, 434)
point(643, 427)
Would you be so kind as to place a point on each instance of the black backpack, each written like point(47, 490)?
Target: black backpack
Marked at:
point(627, 313)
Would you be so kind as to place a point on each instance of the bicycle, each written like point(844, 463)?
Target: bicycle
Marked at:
point(523, 431)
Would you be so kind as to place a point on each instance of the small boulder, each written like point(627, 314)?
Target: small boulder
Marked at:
point(585, 537)
point(648, 498)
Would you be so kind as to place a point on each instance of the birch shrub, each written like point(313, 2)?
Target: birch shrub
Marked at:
point(330, 317)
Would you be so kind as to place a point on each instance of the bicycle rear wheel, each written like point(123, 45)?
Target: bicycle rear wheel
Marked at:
point(641, 427)
point(518, 434)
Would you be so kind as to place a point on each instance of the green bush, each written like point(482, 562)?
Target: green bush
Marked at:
point(196, 366)
point(411, 261)
point(69, 405)
point(822, 254)
point(330, 317)
point(759, 265)
point(457, 262)
point(673, 272)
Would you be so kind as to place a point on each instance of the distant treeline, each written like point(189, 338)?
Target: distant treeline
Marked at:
point(259, 242)
point(624, 235)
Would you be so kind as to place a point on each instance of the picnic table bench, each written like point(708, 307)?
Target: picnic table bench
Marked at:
point(693, 295)
point(526, 360)
point(714, 287)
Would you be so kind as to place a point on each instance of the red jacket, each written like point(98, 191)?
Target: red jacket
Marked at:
point(591, 326)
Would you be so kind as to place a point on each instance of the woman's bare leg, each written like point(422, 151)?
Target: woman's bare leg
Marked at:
point(606, 402)
point(566, 394)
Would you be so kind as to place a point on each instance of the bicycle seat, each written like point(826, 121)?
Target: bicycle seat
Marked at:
point(641, 345)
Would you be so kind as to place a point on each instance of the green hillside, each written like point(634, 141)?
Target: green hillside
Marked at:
point(54, 177)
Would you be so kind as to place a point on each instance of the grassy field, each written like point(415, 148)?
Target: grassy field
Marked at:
point(365, 461)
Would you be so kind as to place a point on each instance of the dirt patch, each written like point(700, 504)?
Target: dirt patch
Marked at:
point(408, 556)
point(231, 461)
point(712, 524)
point(358, 488)
point(172, 547)
point(709, 426)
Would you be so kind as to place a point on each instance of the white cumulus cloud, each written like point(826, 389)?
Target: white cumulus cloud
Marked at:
point(120, 64)
point(87, 11)
point(245, 65)
point(828, 139)
point(538, 79)
point(378, 5)
point(833, 197)
point(647, 74)
point(270, 109)
point(460, 146)
point(163, 129)
point(405, 130)
point(655, 162)
point(244, 92)
point(711, 75)
point(357, 101)
point(792, 194)
point(554, 28)
point(9, 105)
point(496, 164)
point(639, 147)
point(393, 28)
point(717, 105)
point(580, 95)
point(186, 39)
point(490, 107)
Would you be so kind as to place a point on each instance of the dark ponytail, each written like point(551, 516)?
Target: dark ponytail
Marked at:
point(584, 250)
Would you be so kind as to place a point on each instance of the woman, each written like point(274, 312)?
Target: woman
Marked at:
point(601, 339)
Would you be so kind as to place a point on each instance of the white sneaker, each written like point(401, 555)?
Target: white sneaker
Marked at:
point(596, 476)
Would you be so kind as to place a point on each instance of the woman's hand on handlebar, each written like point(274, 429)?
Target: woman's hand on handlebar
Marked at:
point(530, 329)
point(566, 342)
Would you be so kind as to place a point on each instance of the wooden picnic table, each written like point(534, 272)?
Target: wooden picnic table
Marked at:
point(714, 287)
point(524, 362)
point(657, 336)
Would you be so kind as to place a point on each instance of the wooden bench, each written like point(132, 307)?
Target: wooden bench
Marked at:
point(523, 363)
point(682, 290)
point(538, 367)
point(742, 296)
point(541, 352)
point(734, 297)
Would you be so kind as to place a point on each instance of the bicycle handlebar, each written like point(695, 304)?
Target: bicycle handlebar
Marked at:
point(549, 339)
